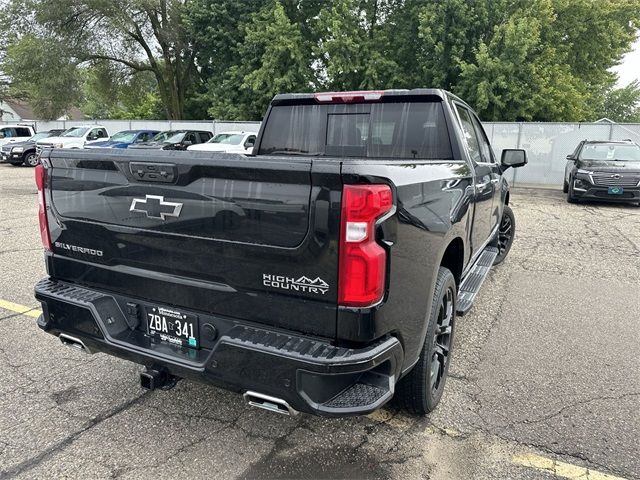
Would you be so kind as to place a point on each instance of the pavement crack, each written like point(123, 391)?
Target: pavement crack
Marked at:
point(567, 407)
point(13, 315)
point(33, 462)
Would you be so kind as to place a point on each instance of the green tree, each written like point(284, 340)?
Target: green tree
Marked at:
point(526, 60)
point(110, 91)
point(141, 35)
point(40, 70)
point(620, 104)
point(354, 51)
point(515, 75)
point(272, 61)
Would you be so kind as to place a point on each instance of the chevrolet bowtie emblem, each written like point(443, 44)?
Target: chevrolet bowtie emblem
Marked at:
point(154, 206)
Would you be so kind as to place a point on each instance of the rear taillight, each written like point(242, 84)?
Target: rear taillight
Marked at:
point(41, 176)
point(362, 265)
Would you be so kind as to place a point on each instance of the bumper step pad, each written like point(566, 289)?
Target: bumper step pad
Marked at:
point(475, 278)
point(358, 395)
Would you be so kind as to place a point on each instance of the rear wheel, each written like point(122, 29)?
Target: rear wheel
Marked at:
point(421, 389)
point(565, 187)
point(506, 233)
point(31, 159)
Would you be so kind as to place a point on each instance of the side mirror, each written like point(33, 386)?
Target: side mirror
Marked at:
point(249, 144)
point(512, 157)
point(571, 158)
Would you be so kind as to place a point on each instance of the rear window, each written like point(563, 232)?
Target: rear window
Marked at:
point(379, 130)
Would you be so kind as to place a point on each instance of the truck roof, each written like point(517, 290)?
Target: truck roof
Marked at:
point(364, 95)
point(614, 142)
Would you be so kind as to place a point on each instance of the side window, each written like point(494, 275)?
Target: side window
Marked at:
point(469, 134)
point(102, 133)
point(190, 137)
point(205, 136)
point(250, 142)
point(5, 132)
point(23, 132)
point(93, 134)
point(485, 147)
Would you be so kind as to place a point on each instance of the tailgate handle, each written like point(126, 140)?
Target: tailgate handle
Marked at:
point(153, 172)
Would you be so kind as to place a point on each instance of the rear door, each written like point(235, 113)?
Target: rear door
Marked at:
point(483, 186)
point(495, 173)
point(248, 238)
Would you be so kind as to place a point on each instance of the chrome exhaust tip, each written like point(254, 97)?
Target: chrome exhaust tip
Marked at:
point(267, 402)
point(73, 342)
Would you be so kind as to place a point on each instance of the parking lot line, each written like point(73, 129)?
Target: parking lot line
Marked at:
point(560, 469)
point(22, 309)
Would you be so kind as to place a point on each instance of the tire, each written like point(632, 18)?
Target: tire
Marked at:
point(570, 196)
point(420, 391)
point(31, 159)
point(506, 234)
point(565, 187)
point(15, 164)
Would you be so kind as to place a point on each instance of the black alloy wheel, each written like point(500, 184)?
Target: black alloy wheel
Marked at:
point(505, 235)
point(420, 390)
point(442, 341)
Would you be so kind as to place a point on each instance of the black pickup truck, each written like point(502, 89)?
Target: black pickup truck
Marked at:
point(321, 274)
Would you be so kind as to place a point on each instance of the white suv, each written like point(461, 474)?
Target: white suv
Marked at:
point(15, 133)
point(76, 137)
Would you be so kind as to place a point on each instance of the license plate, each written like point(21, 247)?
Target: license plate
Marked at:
point(615, 191)
point(172, 326)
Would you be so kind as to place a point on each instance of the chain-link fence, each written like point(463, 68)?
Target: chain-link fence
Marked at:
point(547, 144)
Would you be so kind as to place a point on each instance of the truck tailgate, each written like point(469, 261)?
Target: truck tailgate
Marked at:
point(236, 236)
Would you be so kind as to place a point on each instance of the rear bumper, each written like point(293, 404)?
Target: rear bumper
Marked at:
point(311, 375)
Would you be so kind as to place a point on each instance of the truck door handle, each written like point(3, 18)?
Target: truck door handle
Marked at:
point(482, 186)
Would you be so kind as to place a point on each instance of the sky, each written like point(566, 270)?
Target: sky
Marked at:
point(629, 69)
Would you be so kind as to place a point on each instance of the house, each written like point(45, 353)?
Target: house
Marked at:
point(14, 110)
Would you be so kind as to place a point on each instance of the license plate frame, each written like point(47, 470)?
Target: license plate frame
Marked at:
point(172, 326)
point(615, 190)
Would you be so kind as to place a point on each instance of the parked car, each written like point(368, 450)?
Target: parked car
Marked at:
point(175, 140)
point(125, 138)
point(25, 152)
point(228, 142)
point(369, 223)
point(603, 170)
point(76, 137)
point(16, 133)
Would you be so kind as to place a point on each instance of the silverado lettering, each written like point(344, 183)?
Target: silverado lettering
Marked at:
point(75, 248)
point(323, 273)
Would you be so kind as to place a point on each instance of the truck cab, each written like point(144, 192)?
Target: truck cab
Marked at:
point(15, 133)
point(76, 137)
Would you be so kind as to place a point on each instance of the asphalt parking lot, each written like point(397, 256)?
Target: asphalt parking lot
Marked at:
point(545, 380)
